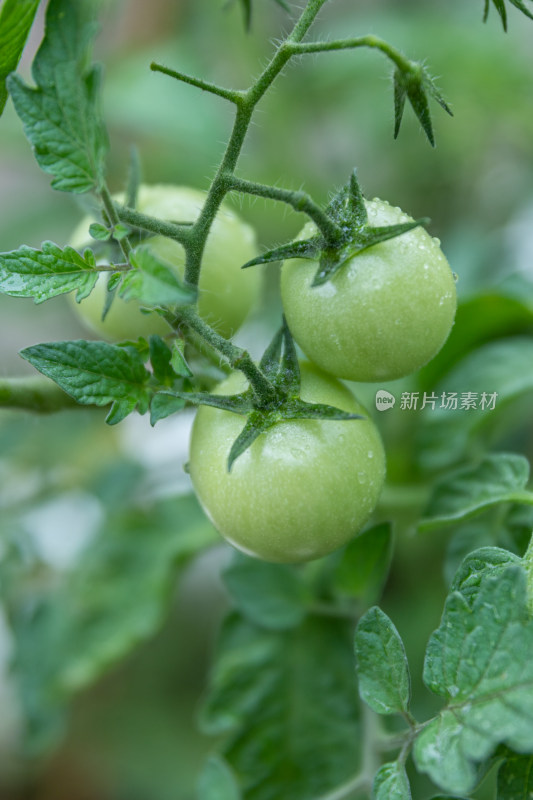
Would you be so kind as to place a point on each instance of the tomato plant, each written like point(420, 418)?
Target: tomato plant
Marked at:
point(303, 489)
point(384, 314)
point(122, 604)
point(226, 293)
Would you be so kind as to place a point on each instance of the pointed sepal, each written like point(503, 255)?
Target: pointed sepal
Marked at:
point(416, 85)
point(256, 424)
point(307, 248)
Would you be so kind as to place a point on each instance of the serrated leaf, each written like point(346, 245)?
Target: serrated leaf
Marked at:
point(515, 777)
point(16, 19)
point(503, 369)
point(498, 478)
point(270, 595)
point(153, 282)
point(61, 117)
point(163, 404)
point(160, 356)
point(479, 659)
point(365, 563)
point(42, 274)
point(271, 687)
point(217, 781)
point(77, 628)
point(95, 373)
point(487, 561)
point(308, 248)
point(382, 669)
point(391, 783)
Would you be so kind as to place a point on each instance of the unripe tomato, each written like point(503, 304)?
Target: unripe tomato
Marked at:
point(384, 314)
point(226, 293)
point(303, 488)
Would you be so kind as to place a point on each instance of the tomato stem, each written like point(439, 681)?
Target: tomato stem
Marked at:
point(40, 395)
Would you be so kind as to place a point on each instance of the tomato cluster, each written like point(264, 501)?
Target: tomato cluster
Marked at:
point(305, 486)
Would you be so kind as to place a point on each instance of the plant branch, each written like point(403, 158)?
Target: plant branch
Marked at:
point(228, 94)
point(113, 219)
point(300, 201)
point(178, 231)
point(35, 394)
point(371, 41)
point(236, 356)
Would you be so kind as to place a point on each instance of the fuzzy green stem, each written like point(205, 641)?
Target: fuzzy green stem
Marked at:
point(35, 394)
point(300, 201)
point(180, 232)
point(528, 564)
point(371, 41)
point(238, 358)
point(228, 94)
point(113, 218)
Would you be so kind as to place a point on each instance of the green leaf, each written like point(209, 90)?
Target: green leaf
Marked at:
point(99, 232)
point(382, 668)
point(269, 595)
point(478, 320)
point(164, 404)
point(480, 661)
point(236, 403)
point(365, 563)
point(153, 282)
point(79, 628)
point(177, 359)
point(16, 19)
point(95, 373)
point(46, 273)
point(498, 478)
point(503, 369)
point(515, 778)
point(275, 694)
point(391, 783)
point(487, 561)
point(160, 356)
point(61, 117)
point(217, 781)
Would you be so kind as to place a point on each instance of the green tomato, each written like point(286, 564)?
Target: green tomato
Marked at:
point(303, 488)
point(226, 292)
point(384, 314)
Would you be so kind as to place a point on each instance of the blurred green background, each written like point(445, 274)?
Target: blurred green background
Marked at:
point(69, 482)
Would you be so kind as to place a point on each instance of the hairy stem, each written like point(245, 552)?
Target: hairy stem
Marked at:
point(236, 356)
point(35, 394)
point(113, 218)
point(177, 231)
point(300, 201)
point(371, 41)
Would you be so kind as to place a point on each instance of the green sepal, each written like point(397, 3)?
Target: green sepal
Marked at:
point(306, 248)
point(256, 424)
point(347, 208)
point(299, 409)
point(237, 403)
point(499, 5)
point(288, 376)
point(415, 84)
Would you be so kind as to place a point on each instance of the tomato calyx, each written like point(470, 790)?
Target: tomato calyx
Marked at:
point(347, 209)
point(280, 367)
